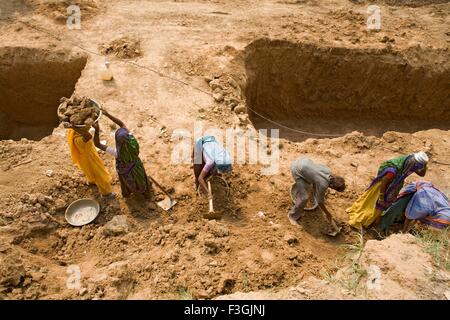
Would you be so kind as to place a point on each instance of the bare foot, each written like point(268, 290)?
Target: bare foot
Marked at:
point(109, 196)
point(292, 220)
point(332, 232)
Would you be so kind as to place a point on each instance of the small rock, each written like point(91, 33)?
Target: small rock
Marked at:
point(243, 119)
point(290, 239)
point(232, 104)
point(214, 84)
point(12, 271)
point(42, 200)
point(117, 226)
point(218, 97)
point(232, 83)
point(60, 204)
point(447, 294)
point(83, 291)
point(261, 215)
point(211, 247)
point(354, 164)
point(240, 109)
point(32, 199)
point(213, 264)
point(49, 173)
point(389, 137)
point(208, 79)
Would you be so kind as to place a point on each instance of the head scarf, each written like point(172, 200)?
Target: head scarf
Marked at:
point(421, 157)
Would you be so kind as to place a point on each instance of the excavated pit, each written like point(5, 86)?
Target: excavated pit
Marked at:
point(331, 90)
point(31, 83)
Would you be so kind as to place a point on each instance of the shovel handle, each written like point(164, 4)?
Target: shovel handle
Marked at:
point(211, 206)
point(159, 186)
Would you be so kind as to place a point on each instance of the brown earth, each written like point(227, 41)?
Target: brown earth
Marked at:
point(146, 252)
point(396, 268)
point(408, 3)
point(124, 47)
point(58, 12)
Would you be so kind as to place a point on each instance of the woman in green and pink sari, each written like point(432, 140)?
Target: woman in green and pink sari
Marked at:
point(129, 167)
point(384, 189)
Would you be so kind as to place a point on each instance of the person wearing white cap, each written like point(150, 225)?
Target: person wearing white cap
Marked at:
point(384, 189)
point(421, 157)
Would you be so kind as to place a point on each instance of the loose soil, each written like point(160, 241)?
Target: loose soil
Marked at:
point(124, 48)
point(287, 61)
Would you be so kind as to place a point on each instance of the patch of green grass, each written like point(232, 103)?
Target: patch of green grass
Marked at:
point(437, 244)
point(354, 250)
point(356, 274)
point(329, 273)
point(184, 294)
point(329, 276)
point(353, 272)
point(434, 276)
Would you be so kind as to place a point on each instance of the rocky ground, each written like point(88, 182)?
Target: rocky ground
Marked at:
point(175, 63)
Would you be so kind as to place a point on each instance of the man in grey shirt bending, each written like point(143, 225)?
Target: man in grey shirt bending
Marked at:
point(308, 173)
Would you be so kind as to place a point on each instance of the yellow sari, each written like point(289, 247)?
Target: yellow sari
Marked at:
point(363, 211)
point(85, 156)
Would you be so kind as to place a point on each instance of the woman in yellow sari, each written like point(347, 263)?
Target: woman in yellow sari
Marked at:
point(85, 156)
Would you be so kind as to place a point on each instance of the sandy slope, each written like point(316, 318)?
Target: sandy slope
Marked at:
point(159, 254)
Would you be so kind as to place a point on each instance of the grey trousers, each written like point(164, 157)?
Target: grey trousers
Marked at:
point(300, 200)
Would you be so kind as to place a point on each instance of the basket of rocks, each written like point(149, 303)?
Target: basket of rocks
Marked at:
point(80, 112)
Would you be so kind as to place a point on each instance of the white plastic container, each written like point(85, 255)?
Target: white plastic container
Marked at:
point(105, 72)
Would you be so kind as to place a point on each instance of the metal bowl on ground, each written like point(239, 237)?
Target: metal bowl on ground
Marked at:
point(92, 103)
point(82, 212)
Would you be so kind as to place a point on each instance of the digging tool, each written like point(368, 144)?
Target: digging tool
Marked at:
point(168, 202)
point(211, 206)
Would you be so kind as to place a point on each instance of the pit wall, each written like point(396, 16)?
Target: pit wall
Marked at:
point(32, 81)
point(287, 81)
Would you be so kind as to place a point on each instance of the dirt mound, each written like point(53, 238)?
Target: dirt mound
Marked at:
point(394, 268)
point(399, 268)
point(35, 80)
point(124, 48)
point(304, 83)
point(11, 9)
point(58, 9)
